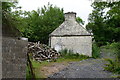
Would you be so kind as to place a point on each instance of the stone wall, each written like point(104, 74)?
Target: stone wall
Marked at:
point(0, 41)
point(13, 58)
point(71, 16)
point(78, 44)
point(0, 54)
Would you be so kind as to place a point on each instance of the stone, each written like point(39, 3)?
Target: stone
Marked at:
point(72, 36)
point(13, 58)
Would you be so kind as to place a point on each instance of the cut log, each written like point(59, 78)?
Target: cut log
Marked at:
point(41, 52)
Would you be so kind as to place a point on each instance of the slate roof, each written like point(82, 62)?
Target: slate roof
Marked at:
point(70, 28)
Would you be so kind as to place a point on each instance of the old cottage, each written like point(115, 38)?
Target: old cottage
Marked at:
point(72, 36)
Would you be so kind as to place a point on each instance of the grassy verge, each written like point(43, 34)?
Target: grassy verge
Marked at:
point(38, 66)
point(65, 58)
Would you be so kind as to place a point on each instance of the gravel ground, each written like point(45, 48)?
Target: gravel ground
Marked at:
point(90, 68)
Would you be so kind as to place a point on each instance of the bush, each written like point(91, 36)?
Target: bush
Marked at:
point(95, 51)
point(113, 66)
point(116, 47)
point(69, 54)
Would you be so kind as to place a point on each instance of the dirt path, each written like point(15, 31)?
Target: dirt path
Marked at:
point(53, 68)
point(90, 68)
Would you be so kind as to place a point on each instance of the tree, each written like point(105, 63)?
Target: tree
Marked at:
point(80, 21)
point(36, 25)
point(105, 25)
point(40, 23)
point(8, 21)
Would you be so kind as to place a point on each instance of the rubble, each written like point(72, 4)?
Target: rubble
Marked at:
point(41, 52)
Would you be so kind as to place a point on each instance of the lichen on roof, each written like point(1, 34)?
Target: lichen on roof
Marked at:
point(70, 27)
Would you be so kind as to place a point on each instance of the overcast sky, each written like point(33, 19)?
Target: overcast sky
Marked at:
point(81, 7)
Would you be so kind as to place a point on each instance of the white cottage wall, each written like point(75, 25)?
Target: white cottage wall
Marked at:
point(78, 44)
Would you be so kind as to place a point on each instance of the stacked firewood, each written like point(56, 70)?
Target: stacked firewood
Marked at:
point(41, 52)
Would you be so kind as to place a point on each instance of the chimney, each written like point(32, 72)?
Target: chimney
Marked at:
point(70, 16)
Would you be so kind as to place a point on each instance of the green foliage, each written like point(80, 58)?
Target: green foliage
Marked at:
point(104, 22)
point(9, 20)
point(115, 47)
point(39, 24)
point(37, 66)
point(28, 75)
point(113, 66)
point(80, 21)
point(68, 54)
point(35, 25)
point(95, 51)
point(7, 15)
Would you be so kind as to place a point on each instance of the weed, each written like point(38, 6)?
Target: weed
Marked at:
point(113, 66)
point(95, 51)
point(69, 54)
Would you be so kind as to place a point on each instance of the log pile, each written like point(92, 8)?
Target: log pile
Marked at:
point(41, 52)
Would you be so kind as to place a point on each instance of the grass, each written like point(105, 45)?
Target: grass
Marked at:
point(115, 76)
point(68, 54)
point(38, 66)
point(36, 69)
point(66, 57)
point(113, 66)
point(27, 73)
